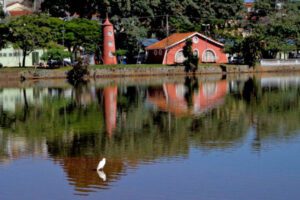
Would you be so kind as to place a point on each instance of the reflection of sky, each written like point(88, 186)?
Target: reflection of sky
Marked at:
point(217, 173)
point(238, 174)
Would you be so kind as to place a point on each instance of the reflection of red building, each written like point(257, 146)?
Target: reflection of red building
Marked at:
point(209, 95)
point(110, 107)
point(171, 98)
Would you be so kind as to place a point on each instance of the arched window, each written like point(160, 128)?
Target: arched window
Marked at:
point(209, 56)
point(179, 57)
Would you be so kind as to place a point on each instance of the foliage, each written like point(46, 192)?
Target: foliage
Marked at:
point(29, 33)
point(81, 33)
point(36, 31)
point(251, 50)
point(277, 27)
point(4, 33)
point(191, 62)
point(63, 8)
point(136, 19)
point(56, 53)
point(120, 52)
point(78, 74)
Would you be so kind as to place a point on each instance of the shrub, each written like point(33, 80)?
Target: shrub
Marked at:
point(79, 72)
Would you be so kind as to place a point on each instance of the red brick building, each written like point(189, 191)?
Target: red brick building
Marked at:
point(170, 50)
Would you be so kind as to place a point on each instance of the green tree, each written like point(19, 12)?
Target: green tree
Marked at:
point(3, 34)
point(55, 52)
point(276, 26)
point(63, 8)
point(27, 34)
point(82, 34)
point(251, 50)
point(191, 62)
point(136, 19)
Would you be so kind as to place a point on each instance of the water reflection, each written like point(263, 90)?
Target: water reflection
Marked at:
point(102, 175)
point(189, 98)
point(138, 123)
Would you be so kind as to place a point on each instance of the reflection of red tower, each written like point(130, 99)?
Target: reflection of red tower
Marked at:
point(108, 44)
point(110, 104)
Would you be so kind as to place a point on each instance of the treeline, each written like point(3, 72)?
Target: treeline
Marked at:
point(41, 31)
point(138, 19)
point(271, 27)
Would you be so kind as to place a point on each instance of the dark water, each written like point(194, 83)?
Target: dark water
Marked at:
point(164, 138)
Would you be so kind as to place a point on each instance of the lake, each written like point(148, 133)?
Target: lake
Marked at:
point(206, 137)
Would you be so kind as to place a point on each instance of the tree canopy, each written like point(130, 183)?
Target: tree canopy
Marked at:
point(137, 19)
point(29, 33)
point(276, 26)
point(32, 32)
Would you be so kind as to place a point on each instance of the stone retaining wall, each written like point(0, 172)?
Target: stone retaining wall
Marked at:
point(140, 71)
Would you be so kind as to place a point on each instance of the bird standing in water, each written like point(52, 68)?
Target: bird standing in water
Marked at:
point(101, 164)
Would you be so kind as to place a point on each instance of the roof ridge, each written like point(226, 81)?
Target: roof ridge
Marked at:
point(176, 38)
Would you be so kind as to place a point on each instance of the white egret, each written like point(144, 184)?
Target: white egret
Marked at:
point(101, 164)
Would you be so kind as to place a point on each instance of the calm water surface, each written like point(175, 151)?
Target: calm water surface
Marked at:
point(164, 138)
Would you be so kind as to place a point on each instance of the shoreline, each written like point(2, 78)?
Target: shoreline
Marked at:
point(15, 74)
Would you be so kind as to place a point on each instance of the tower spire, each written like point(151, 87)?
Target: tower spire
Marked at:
point(109, 47)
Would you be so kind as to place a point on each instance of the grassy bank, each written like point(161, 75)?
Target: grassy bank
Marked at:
point(136, 70)
point(119, 66)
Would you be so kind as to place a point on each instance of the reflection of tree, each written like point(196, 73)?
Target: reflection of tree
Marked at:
point(192, 86)
point(74, 128)
point(26, 110)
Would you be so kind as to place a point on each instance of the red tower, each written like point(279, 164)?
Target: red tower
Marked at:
point(108, 44)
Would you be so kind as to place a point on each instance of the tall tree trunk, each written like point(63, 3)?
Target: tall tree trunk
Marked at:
point(24, 58)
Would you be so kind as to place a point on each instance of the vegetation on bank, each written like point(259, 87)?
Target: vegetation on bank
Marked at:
point(41, 31)
point(264, 32)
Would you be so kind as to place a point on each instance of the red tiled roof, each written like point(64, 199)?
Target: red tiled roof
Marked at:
point(177, 38)
point(15, 13)
point(249, 4)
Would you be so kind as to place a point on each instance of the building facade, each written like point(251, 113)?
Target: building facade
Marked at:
point(10, 57)
point(20, 7)
point(169, 51)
